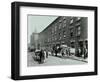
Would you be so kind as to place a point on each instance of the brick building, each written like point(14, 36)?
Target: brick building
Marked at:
point(56, 33)
point(78, 31)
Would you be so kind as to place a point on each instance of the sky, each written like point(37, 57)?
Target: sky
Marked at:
point(36, 23)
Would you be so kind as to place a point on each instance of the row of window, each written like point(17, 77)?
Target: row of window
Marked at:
point(54, 38)
point(78, 31)
point(72, 20)
point(60, 36)
point(61, 23)
point(77, 25)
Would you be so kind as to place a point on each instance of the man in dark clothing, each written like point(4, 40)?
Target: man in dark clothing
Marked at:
point(41, 56)
point(85, 52)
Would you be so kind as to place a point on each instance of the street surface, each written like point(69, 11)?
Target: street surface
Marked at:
point(52, 60)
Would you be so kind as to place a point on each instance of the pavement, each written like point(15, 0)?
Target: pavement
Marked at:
point(75, 58)
point(53, 60)
point(78, 58)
